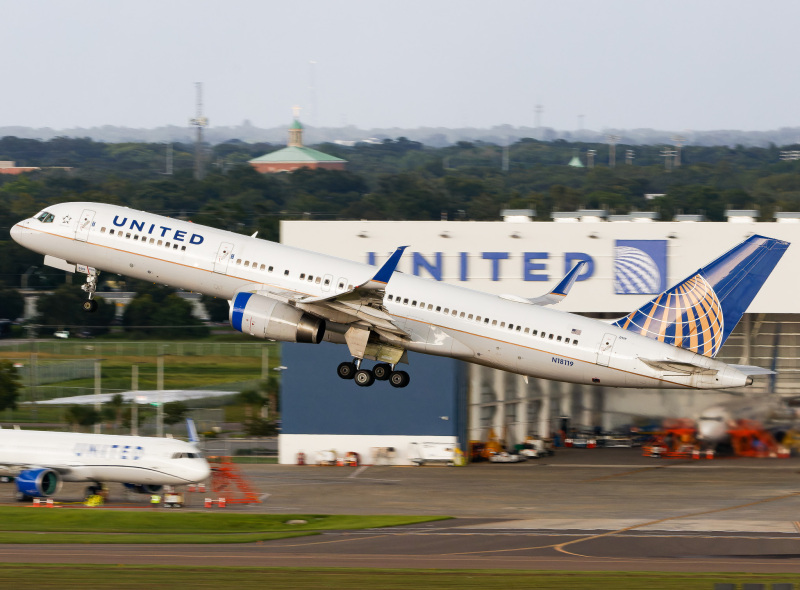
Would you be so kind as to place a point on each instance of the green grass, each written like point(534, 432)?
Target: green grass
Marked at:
point(142, 539)
point(135, 577)
point(43, 525)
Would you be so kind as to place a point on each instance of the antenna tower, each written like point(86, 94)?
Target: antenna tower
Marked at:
point(199, 122)
point(612, 149)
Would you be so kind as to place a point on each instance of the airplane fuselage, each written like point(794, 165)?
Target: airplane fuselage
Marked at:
point(103, 458)
point(439, 318)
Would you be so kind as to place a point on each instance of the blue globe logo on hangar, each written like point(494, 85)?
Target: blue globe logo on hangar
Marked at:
point(640, 267)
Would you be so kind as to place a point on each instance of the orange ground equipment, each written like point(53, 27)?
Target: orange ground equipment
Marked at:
point(227, 481)
point(677, 440)
point(749, 439)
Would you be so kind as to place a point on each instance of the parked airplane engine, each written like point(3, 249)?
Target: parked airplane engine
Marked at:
point(38, 483)
point(264, 317)
point(143, 488)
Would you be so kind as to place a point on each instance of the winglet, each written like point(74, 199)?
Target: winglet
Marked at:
point(388, 268)
point(192, 430)
point(566, 283)
point(559, 291)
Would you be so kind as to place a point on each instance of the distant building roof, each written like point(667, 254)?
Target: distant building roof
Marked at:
point(689, 217)
point(296, 154)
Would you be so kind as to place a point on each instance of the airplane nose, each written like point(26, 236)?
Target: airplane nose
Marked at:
point(18, 232)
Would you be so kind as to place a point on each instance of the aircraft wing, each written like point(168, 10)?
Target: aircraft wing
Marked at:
point(362, 305)
point(558, 293)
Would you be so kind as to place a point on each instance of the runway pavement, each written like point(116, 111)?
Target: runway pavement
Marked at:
point(599, 509)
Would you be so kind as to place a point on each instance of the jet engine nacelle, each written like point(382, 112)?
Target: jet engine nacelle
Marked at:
point(38, 483)
point(140, 488)
point(263, 317)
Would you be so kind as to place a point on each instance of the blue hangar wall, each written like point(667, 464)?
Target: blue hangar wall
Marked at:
point(314, 400)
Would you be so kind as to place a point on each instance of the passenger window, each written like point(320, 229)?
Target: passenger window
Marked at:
point(438, 308)
point(183, 248)
point(430, 306)
point(421, 305)
point(502, 324)
point(327, 281)
point(174, 246)
point(544, 335)
point(566, 340)
point(558, 339)
point(302, 276)
point(341, 285)
point(494, 322)
point(159, 243)
point(263, 266)
point(318, 281)
point(462, 315)
point(486, 321)
point(550, 337)
point(128, 236)
point(534, 332)
point(469, 317)
point(102, 230)
point(405, 301)
point(518, 327)
point(152, 240)
point(237, 262)
point(310, 278)
point(413, 304)
point(247, 263)
point(446, 310)
point(286, 273)
point(574, 343)
point(527, 330)
point(270, 269)
point(391, 297)
point(510, 326)
point(136, 236)
point(454, 313)
point(111, 232)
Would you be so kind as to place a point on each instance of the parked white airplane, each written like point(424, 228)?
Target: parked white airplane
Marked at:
point(40, 460)
point(288, 294)
point(770, 410)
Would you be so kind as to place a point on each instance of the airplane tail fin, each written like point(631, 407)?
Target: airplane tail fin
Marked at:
point(700, 312)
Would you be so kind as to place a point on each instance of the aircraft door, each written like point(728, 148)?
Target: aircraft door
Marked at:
point(326, 282)
point(84, 225)
point(605, 350)
point(224, 255)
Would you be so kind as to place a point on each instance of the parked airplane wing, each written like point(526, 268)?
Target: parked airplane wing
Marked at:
point(557, 294)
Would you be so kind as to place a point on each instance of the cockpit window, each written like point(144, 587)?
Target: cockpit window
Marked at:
point(186, 455)
point(46, 217)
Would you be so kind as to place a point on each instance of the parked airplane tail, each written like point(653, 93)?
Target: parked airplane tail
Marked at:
point(700, 312)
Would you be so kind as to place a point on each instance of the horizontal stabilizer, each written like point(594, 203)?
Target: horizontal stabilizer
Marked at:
point(753, 370)
point(670, 366)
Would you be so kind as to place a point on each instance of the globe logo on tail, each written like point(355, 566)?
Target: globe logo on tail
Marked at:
point(689, 315)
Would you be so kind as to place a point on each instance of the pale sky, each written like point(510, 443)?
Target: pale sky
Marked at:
point(673, 65)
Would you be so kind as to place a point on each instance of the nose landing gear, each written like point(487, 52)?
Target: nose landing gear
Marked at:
point(90, 286)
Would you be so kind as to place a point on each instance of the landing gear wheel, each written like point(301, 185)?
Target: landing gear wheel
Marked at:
point(346, 370)
point(382, 371)
point(90, 306)
point(399, 379)
point(364, 378)
point(91, 491)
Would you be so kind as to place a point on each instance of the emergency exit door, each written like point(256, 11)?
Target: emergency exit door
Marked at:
point(605, 350)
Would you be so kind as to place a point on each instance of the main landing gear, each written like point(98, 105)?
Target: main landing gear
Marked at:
point(90, 286)
point(366, 377)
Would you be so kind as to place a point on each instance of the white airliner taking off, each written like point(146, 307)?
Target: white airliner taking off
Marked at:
point(288, 294)
point(39, 461)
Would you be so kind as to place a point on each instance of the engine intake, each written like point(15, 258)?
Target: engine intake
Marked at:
point(263, 317)
point(38, 483)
